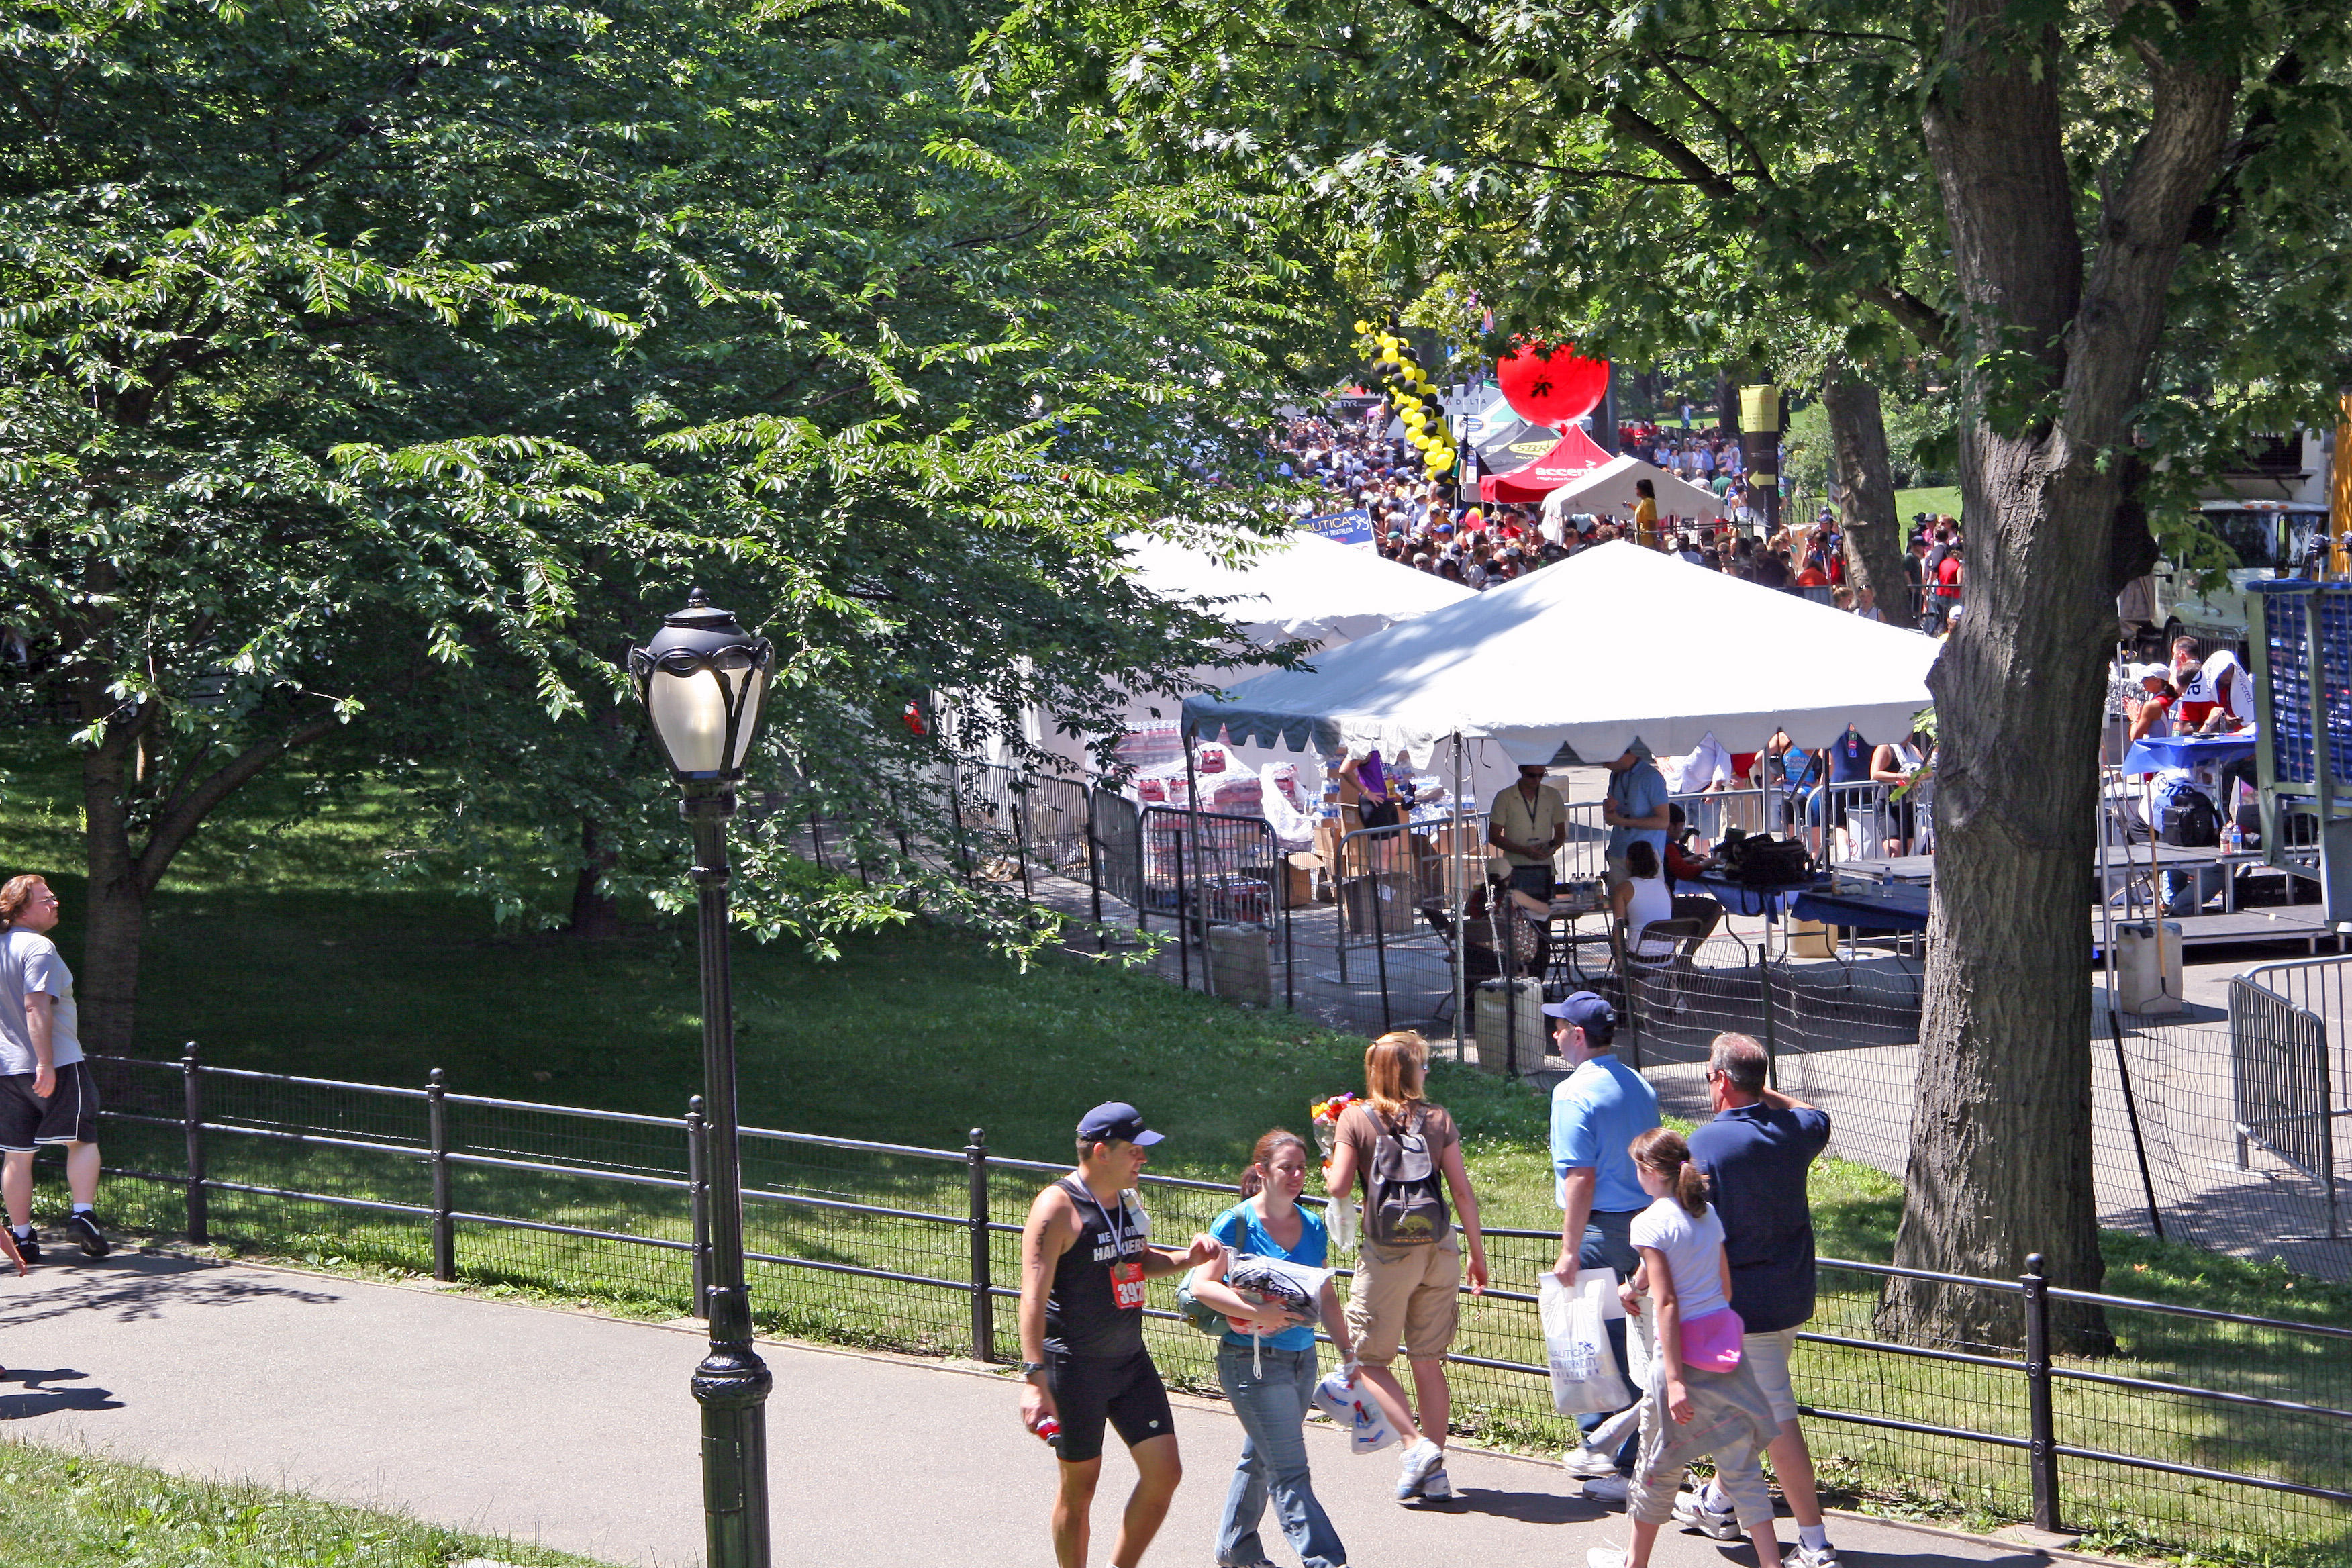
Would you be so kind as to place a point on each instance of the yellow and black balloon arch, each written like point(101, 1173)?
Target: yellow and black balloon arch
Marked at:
point(1410, 396)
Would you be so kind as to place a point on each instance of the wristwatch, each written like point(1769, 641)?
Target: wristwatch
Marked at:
point(1031, 1368)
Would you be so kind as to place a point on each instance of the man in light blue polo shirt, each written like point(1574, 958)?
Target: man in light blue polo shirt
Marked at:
point(1596, 1111)
point(1636, 807)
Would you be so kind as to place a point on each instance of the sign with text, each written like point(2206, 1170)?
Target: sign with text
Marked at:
point(1353, 526)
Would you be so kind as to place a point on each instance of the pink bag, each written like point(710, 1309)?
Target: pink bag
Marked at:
point(1711, 1342)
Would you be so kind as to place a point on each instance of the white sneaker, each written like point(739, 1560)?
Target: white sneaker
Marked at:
point(1610, 1487)
point(1803, 1556)
point(1605, 1557)
point(1591, 1463)
point(1691, 1508)
point(1419, 1460)
point(1437, 1487)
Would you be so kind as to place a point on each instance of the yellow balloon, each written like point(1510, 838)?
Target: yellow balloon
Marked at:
point(1363, 329)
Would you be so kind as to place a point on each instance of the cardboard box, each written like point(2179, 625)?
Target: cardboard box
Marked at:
point(1811, 938)
point(1303, 878)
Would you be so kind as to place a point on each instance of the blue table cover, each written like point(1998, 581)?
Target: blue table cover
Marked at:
point(2184, 752)
point(1741, 898)
point(1891, 906)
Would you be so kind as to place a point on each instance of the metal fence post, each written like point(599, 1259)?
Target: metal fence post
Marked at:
point(1094, 876)
point(983, 1303)
point(1183, 921)
point(445, 1230)
point(1021, 843)
point(192, 1086)
point(697, 1198)
point(2043, 1455)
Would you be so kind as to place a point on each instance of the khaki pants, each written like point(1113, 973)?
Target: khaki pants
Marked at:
point(1408, 1296)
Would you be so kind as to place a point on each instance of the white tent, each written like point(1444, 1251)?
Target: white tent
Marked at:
point(1610, 487)
point(1609, 645)
point(1305, 587)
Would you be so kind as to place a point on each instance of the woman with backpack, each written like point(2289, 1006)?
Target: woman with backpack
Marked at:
point(1265, 1358)
point(1406, 1157)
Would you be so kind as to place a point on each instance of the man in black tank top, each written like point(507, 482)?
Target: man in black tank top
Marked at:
point(1085, 1252)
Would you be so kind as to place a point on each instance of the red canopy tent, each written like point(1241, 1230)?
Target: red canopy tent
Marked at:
point(1577, 455)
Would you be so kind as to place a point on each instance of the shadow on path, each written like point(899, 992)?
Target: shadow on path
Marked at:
point(130, 1287)
point(38, 1400)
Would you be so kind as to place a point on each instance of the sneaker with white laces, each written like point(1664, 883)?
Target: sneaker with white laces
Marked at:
point(1437, 1488)
point(1419, 1460)
point(28, 1244)
point(1588, 1462)
point(1605, 1557)
point(83, 1228)
point(1804, 1556)
point(1691, 1508)
point(1606, 1489)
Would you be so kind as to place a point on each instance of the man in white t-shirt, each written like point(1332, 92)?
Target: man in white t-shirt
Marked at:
point(1707, 768)
point(46, 1095)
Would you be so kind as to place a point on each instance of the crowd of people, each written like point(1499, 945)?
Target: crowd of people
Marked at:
point(1708, 1240)
point(1423, 523)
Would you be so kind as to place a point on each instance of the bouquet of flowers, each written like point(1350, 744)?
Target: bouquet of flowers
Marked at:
point(1325, 1116)
point(1340, 1216)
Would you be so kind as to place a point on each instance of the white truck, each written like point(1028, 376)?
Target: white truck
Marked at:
point(2265, 535)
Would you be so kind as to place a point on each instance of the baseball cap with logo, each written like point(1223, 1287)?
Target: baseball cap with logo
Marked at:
point(1116, 1122)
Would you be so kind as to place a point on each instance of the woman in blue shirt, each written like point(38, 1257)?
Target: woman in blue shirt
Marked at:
point(1269, 1373)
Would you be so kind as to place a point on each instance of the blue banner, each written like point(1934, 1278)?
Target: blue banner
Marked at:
point(1353, 526)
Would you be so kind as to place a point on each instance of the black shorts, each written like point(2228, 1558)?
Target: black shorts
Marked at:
point(1087, 1389)
point(68, 1115)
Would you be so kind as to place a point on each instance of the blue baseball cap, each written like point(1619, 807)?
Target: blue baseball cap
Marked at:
point(1587, 1011)
point(1116, 1122)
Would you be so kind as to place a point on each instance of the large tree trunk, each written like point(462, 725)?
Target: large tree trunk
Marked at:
point(595, 914)
point(1874, 534)
point(2000, 1163)
point(106, 987)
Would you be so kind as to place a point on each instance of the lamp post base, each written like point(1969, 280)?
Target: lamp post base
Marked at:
point(731, 1384)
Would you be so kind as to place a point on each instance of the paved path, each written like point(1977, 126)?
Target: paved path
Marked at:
point(577, 1431)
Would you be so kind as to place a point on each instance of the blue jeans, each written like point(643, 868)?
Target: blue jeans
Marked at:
point(1272, 1407)
point(1609, 1244)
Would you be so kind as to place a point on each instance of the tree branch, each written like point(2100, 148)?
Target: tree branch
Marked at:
point(180, 820)
point(1726, 127)
point(357, 125)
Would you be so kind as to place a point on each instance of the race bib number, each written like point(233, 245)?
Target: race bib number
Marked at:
point(1127, 1282)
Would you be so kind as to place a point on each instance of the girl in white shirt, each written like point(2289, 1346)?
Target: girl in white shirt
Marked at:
point(1688, 1409)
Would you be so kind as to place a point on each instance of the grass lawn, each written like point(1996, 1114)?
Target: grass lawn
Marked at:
point(1941, 502)
point(66, 1510)
point(292, 948)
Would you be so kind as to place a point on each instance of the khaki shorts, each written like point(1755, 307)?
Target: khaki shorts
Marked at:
point(1767, 1356)
point(1405, 1296)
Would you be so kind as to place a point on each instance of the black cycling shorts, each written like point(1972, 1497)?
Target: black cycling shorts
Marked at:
point(68, 1115)
point(1125, 1390)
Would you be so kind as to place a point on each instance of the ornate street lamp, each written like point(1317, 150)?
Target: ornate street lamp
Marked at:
point(703, 679)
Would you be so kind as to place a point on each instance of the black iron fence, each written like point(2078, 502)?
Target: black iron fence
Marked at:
point(2203, 1427)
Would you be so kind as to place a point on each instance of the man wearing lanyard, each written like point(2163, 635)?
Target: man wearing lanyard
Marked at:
point(1086, 1253)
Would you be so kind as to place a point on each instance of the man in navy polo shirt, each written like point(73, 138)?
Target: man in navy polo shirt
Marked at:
point(1756, 1154)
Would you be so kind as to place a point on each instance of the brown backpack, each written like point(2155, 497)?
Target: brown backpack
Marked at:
point(1405, 1206)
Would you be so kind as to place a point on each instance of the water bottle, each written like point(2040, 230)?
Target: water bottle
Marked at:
point(1049, 1432)
point(2234, 841)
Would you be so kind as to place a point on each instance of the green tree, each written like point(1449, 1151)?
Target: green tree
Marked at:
point(370, 373)
point(2014, 185)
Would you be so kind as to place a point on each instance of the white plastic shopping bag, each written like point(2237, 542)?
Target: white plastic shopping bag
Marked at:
point(1356, 1411)
point(1585, 1378)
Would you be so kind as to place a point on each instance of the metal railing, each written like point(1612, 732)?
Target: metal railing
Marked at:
point(2289, 1062)
point(910, 1246)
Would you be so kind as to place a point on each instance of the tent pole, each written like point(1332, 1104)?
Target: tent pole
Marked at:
point(1200, 872)
point(1459, 880)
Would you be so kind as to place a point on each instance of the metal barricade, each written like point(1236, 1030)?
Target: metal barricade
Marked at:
point(2287, 1067)
point(1218, 876)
